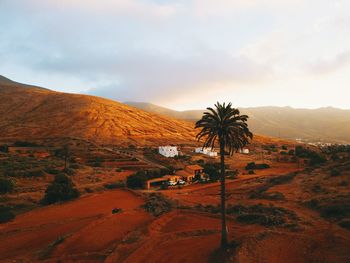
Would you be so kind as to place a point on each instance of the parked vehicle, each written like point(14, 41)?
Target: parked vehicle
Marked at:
point(171, 183)
point(181, 182)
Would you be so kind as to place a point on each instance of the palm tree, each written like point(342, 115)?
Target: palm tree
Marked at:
point(225, 125)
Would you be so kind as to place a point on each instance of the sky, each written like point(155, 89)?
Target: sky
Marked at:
point(184, 54)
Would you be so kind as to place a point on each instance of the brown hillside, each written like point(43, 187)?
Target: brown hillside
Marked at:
point(28, 112)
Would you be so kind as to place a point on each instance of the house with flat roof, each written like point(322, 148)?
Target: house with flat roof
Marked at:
point(168, 151)
point(191, 172)
point(207, 151)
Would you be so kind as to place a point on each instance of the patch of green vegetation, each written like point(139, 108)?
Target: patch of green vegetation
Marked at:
point(336, 209)
point(259, 192)
point(157, 204)
point(119, 184)
point(257, 214)
point(314, 157)
point(256, 166)
point(60, 190)
point(7, 185)
point(335, 172)
point(6, 214)
point(45, 253)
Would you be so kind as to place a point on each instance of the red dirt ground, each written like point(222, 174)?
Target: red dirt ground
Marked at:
point(92, 234)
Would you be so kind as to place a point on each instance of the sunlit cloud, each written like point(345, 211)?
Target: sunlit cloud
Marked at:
point(182, 54)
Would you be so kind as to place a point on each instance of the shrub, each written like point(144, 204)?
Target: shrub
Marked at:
point(315, 158)
point(263, 215)
point(253, 166)
point(345, 223)
point(4, 148)
point(157, 204)
point(25, 144)
point(68, 171)
point(6, 185)
point(61, 189)
point(118, 170)
point(74, 166)
point(6, 214)
point(335, 172)
point(33, 173)
point(136, 180)
point(213, 170)
point(52, 170)
point(251, 172)
point(115, 185)
point(291, 152)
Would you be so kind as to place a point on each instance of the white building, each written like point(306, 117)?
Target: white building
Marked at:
point(244, 151)
point(168, 151)
point(206, 151)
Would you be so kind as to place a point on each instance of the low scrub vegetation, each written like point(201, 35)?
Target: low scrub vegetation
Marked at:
point(260, 191)
point(315, 158)
point(336, 209)
point(119, 184)
point(6, 214)
point(138, 179)
point(157, 204)
point(257, 166)
point(7, 185)
point(60, 190)
point(265, 215)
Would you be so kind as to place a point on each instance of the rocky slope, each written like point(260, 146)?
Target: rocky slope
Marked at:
point(29, 112)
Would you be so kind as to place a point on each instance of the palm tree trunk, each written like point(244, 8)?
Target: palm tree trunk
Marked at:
point(223, 197)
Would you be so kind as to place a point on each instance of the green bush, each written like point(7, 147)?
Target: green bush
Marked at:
point(136, 180)
point(6, 214)
point(213, 170)
point(25, 144)
point(33, 173)
point(6, 185)
point(68, 171)
point(4, 148)
point(259, 166)
point(335, 172)
point(315, 158)
point(61, 189)
point(52, 170)
point(157, 204)
point(115, 185)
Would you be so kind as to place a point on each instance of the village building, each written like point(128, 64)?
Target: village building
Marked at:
point(156, 182)
point(189, 174)
point(168, 151)
point(244, 151)
point(192, 172)
point(173, 177)
point(207, 151)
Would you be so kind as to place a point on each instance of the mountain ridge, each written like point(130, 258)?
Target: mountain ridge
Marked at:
point(326, 124)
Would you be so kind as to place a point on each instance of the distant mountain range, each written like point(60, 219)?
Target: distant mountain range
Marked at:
point(324, 124)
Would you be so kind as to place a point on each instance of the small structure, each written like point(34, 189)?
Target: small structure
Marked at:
point(155, 182)
point(206, 151)
point(172, 177)
point(168, 151)
point(192, 172)
point(244, 151)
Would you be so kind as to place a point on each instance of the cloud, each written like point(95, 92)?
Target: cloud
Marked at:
point(162, 50)
point(330, 65)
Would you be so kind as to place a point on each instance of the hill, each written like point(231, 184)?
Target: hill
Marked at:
point(323, 124)
point(29, 112)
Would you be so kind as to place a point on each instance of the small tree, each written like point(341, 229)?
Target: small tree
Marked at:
point(61, 189)
point(6, 185)
point(4, 148)
point(136, 180)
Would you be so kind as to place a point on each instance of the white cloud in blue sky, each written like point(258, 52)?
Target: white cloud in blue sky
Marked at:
point(182, 54)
